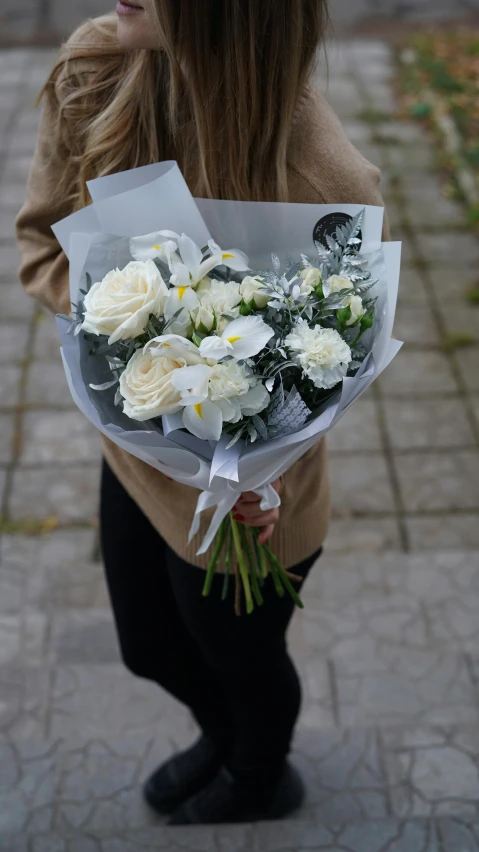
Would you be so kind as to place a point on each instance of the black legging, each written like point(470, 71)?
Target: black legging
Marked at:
point(234, 673)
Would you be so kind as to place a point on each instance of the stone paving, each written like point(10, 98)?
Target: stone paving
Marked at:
point(388, 646)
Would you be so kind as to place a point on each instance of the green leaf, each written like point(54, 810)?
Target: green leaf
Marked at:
point(344, 315)
point(260, 426)
point(246, 310)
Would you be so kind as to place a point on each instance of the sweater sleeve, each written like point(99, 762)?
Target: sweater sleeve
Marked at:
point(324, 167)
point(44, 266)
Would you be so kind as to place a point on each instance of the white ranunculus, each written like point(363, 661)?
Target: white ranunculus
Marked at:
point(121, 304)
point(252, 290)
point(357, 308)
point(312, 278)
point(339, 282)
point(146, 386)
point(321, 353)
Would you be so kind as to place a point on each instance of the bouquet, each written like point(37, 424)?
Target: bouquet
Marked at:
point(219, 368)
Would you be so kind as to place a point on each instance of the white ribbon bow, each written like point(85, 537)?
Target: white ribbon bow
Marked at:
point(225, 498)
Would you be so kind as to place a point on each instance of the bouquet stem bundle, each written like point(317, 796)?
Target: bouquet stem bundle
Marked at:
point(239, 549)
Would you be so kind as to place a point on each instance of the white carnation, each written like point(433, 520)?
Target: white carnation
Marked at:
point(322, 353)
point(121, 304)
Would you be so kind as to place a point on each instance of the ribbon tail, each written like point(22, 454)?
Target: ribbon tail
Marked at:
point(201, 506)
point(224, 503)
point(221, 512)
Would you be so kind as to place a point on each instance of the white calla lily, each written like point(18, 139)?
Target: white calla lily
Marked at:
point(243, 338)
point(159, 244)
point(232, 258)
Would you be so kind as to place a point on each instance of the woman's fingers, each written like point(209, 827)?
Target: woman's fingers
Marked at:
point(257, 519)
point(249, 497)
point(266, 534)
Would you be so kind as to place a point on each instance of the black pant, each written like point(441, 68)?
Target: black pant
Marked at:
point(234, 673)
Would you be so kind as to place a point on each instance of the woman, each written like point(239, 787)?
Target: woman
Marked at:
point(222, 86)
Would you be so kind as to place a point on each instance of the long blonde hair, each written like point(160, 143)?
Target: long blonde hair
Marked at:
point(219, 97)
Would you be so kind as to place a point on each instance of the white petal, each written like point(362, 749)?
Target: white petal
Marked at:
point(171, 235)
point(214, 347)
point(190, 377)
point(236, 260)
point(214, 247)
point(256, 400)
point(191, 255)
point(248, 336)
point(204, 420)
point(180, 297)
point(207, 265)
point(230, 409)
point(175, 346)
point(180, 274)
point(146, 247)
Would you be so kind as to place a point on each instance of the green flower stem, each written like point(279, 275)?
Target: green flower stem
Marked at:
point(283, 577)
point(252, 567)
point(229, 552)
point(260, 555)
point(276, 579)
point(242, 566)
point(220, 540)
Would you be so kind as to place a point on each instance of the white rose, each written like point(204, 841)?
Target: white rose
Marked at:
point(252, 290)
point(204, 318)
point(322, 353)
point(339, 282)
point(121, 304)
point(147, 388)
point(357, 308)
point(312, 278)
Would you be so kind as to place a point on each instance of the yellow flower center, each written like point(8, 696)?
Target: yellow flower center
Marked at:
point(199, 409)
point(181, 292)
point(226, 256)
point(234, 339)
point(157, 248)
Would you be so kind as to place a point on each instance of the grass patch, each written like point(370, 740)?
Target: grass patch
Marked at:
point(472, 294)
point(458, 340)
point(375, 116)
point(29, 526)
point(446, 64)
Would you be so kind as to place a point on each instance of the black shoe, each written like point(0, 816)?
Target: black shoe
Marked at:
point(182, 776)
point(226, 801)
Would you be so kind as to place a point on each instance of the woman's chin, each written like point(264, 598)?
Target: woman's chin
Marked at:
point(133, 33)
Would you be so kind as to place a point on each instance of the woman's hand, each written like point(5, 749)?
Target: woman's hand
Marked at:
point(247, 511)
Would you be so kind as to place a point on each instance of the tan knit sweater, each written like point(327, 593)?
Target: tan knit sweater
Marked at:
point(324, 168)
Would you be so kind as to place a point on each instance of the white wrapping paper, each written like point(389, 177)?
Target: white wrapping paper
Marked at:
point(154, 198)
